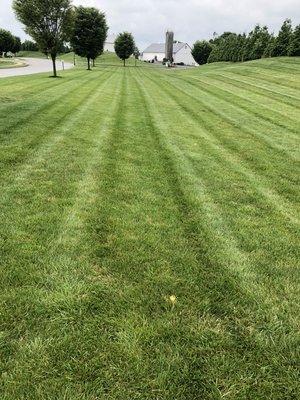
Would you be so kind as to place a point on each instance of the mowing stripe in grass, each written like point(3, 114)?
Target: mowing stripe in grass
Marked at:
point(43, 142)
point(235, 163)
point(145, 191)
point(276, 246)
point(36, 165)
point(280, 71)
point(233, 113)
point(207, 256)
point(271, 84)
point(70, 271)
point(136, 166)
point(214, 111)
point(28, 85)
point(72, 225)
point(281, 68)
point(49, 88)
point(209, 124)
point(22, 145)
point(274, 116)
point(39, 106)
point(284, 232)
point(253, 82)
point(264, 93)
point(56, 291)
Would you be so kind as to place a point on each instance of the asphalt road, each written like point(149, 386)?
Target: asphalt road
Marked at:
point(35, 66)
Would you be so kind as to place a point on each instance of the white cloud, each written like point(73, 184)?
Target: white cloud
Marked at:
point(190, 19)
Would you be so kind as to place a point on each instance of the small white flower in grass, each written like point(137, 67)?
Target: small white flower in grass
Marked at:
point(173, 299)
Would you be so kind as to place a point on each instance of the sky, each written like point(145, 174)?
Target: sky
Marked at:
point(190, 20)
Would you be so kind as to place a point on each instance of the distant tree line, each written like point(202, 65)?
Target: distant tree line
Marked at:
point(257, 44)
point(12, 44)
point(28, 45)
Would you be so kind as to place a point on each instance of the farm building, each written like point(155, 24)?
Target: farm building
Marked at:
point(109, 44)
point(182, 53)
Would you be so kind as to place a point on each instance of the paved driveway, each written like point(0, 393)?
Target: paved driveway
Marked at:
point(35, 65)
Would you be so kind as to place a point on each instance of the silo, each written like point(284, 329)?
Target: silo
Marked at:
point(169, 46)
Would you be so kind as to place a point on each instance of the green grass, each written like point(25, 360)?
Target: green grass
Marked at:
point(121, 187)
point(31, 54)
point(106, 59)
point(11, 63)
point(6, 62)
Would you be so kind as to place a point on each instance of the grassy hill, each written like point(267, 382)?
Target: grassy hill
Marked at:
point(106, 58)
point(149, 233)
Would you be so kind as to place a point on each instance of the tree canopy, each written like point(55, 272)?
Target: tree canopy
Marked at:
point(16, 45)
point(201, 51)
point(48, 22)
point(257, 44)
point(6, 41)
point(89, 33)
point(283, 39)
point(29, 45)
point(124, 46)
point(294, 46)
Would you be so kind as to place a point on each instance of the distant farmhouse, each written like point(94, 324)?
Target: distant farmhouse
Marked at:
point(109, 44)
point(182, 53)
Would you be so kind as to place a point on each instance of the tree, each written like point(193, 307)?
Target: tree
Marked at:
point(241, 43)
point(283, 39)
point(89, 33)
point(269, 50)
point(294, 47)
point(227, 47)
point(16, 46)
point(28, 45)
point(201, 51)
point(48, 22)
point(136, 53)
point(6, 41)
point(257, 42)
point(214, 55)
point(230, 51)
point(124, 46)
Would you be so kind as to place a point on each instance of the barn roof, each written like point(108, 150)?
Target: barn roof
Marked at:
point(160, 48)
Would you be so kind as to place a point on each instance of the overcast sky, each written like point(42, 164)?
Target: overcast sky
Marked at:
point(190, 19)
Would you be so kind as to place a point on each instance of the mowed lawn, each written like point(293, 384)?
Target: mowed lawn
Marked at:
point(6, 63)
point(123, 187)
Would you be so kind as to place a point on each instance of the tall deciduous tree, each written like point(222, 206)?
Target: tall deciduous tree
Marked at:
point(257, 42)
point(283, 39)
point(124, 46)
point(201, 51)
point(269, 50)
point(294, 48)
point(89, 33)
point(6, 41)
point(48, 22)
point(17, 45)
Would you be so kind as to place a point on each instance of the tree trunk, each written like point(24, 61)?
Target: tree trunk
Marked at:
point(53, 57)
point(124, 62)
point(94, 63)
point(89, 64)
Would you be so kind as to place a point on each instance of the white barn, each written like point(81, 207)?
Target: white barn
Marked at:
point(109, 44)
point(182, 53)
